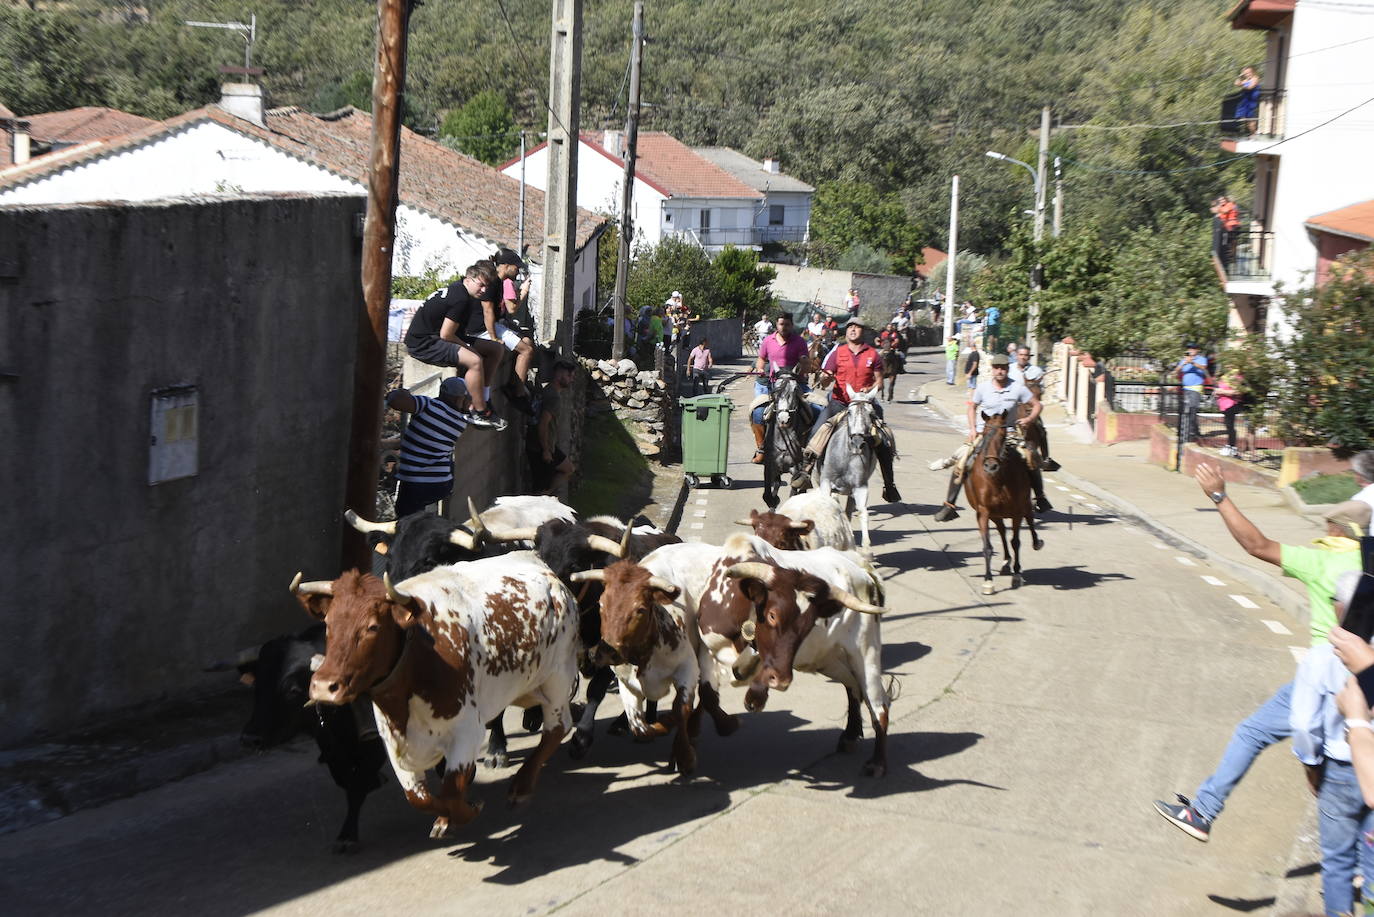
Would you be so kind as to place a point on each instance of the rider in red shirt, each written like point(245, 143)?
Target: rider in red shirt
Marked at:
point(855, 365)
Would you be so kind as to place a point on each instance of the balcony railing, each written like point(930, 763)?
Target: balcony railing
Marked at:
point(1266, 120)
point(716, 237)
point(1245, 254)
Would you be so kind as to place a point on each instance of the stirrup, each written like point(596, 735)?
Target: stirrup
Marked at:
point(947, 512)
point(1051, 465)
point(1042, 505)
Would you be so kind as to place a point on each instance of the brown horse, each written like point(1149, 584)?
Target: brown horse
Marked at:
point(998, 484)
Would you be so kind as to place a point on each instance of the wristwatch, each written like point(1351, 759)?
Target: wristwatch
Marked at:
point(1217, 496)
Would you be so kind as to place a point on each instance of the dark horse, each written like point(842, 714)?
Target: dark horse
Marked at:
point(892, 368)
point(998, 484)
point(787, 426)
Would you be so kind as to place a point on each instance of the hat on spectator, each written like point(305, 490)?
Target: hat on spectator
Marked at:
point(999, 359)
point(453, 387)
point(676, 295)
point(1352, 515)
point(506, 256)
point(855, 321)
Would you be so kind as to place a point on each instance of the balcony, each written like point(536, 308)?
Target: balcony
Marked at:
point(1265, 125)
point(741, 237)
point(1246, 258)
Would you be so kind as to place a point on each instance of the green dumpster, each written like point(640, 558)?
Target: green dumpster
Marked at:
point(706, 438)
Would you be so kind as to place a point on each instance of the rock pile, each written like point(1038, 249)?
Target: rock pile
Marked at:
point(636, 396)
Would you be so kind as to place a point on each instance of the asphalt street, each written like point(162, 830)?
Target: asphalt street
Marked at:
point(1032, 730)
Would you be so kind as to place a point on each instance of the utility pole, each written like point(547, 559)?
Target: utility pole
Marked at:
point(379, 236)
point(520, 230)
point(627, 191)
point(1033, 312)
point(560, 198)
point(1058, 197)
point(953, 250)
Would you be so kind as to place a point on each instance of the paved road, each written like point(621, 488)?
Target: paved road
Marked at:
point(1032, 730)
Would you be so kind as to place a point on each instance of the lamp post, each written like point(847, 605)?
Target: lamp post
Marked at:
point(1033, 312)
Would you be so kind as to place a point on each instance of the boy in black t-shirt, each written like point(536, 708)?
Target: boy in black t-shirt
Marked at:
point(444, 333)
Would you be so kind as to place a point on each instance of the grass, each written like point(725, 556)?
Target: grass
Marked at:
point(616, 479)
point(1327, 488)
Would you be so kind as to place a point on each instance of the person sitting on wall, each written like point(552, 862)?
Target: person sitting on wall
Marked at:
point(503, 324)
point(425, 468)
point(444, 333)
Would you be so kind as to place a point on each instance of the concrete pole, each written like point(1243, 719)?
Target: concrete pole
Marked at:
point(953, 251)
point(520, 231)
point(627, 191)
point(560, 198)
point(379, 236)
point(1033, 312)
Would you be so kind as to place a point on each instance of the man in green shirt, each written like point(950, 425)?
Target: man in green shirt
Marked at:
point(1317, 568)
point(951, 359)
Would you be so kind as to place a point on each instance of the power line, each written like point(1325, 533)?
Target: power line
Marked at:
point(520, 52)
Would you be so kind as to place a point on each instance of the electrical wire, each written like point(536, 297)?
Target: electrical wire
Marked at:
point(520, 52)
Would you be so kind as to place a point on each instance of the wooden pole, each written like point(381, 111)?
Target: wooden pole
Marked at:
point(627, 193)
point(379, 235)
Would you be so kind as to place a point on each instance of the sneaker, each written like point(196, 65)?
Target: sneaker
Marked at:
point(1185, 817)
point(486, 419)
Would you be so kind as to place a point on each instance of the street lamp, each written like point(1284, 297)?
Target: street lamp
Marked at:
point(1033, 312)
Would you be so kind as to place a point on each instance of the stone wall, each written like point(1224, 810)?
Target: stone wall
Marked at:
point(242, 311)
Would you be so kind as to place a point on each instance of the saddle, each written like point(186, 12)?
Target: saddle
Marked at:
point(879, 432)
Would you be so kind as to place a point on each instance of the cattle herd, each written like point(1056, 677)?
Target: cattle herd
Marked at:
point(419, 665)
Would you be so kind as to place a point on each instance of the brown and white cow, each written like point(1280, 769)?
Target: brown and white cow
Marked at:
point(441, 654)
point(752, 618)
point(806, 520)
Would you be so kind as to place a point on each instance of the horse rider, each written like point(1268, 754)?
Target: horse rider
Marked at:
point(998, 395)
point(855, 365)
point(780, 350)
point(1031, 376)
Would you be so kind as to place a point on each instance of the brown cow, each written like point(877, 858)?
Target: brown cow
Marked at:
point(443, 653)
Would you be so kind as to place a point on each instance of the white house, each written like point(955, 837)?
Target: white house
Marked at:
point(453, 210)
point(711, 196)
point(1313, 147)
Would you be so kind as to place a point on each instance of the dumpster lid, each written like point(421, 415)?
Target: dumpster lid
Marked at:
point(708, 401)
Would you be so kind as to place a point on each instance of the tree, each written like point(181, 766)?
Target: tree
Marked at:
point(743, 284)
point(844, 214)
point(483, 128)
point(673, 264)
point(1325, 393)
point(967, 269)
point(45, 62)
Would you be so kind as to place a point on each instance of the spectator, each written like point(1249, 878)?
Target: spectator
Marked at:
point(1362, 465)
point(1229, 388)
point(444, 333)
point(816, 330)
point(1192, 372)
point(951, 359)
point(656, 333)
point(851, 303)
point(504, 325)
point(971, 360)
point(992, 326)
point(762, 328)
point(1320, 742)
point(1225, 223)
point(1317, 568)
point(1247, 106)
point(550, 467)
point(700, 362)
point(425, 469)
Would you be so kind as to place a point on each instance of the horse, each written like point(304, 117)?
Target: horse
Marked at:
point(892, 367)
point(998, 485)
point(849, 459)
point(787, 425)
point(816, 352)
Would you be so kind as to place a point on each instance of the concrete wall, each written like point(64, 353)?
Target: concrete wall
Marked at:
point(879, 294)
point(724, 334)
point(119, 591)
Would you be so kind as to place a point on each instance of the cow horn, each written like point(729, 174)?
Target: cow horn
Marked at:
point(793, 524)
point(589, 576)
point(314, 587)
point(463, 539)
point(662, 585)
point(531, 535)
point(394, 594)
point(605, 545)
point(747, 522)
point(753, 569)
point(362, 525)
point(854, 603)
point(475, 521)
point(625, 542)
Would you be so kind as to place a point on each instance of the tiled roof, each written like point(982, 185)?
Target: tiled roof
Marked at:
point(5, 112)
point(929, 258)
point(435, 179)
point(750, 171)
point(78, 124)
point(674, 167)
point(1355, 221)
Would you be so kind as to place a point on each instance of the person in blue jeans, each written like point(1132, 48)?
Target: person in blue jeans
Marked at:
point(1317, 568)
point(1192, 372)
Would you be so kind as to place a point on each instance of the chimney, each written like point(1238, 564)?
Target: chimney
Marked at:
point(611, 142)
point(772, 166)
point(19, 134)
point(243, 100)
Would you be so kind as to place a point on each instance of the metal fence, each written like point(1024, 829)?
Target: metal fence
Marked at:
point(1255, 441)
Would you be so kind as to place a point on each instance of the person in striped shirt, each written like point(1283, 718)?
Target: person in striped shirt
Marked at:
point(425, 470)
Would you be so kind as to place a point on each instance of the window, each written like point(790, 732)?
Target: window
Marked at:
point(174, 434)
point(705, 219)
point(775, 215)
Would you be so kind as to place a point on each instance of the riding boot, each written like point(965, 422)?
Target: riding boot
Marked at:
point(1050, 464)
point(758, 442)
point(949, 511)
point(801, 477)
point(1038, 485)
point(884, 456)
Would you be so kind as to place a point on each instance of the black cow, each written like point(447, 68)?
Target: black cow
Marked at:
point(347, 736)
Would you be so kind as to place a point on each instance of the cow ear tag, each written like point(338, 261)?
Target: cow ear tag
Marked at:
point(748, 629)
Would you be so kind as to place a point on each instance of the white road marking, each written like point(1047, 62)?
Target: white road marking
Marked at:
point(701, 501)
point(1078, 496)
point(695, 538)
point(1299, 652)
point(700, 514)
point(1094, 507)
point(1276, 627)
point(1061, 487)
point(1049, 480)
point(1186, 561)
point(1161, 545)
point(698, 525)
point(1212, 581)
point(1243, 602)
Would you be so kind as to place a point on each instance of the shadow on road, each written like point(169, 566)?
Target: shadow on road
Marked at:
point(905, 750)
point(1069, 577)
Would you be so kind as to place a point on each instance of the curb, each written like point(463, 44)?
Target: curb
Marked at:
point(1269, 586)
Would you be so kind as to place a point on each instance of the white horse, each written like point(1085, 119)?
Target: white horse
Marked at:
point(849, 459)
